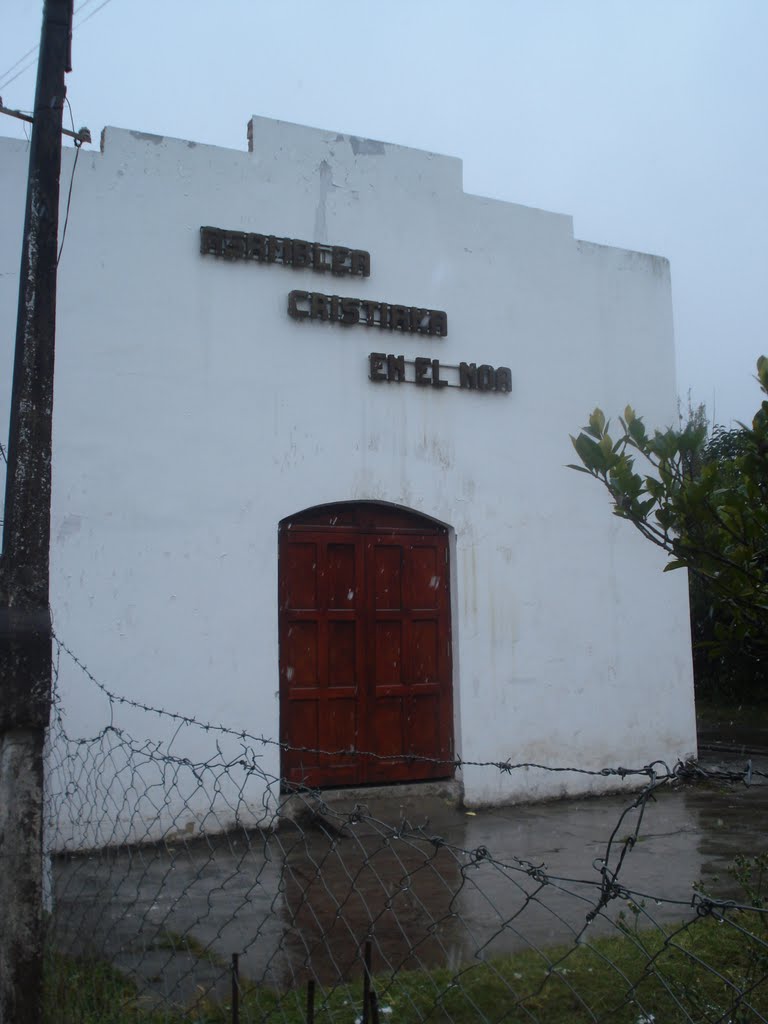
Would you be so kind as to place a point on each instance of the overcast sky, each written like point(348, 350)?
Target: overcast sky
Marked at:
point(646, 121)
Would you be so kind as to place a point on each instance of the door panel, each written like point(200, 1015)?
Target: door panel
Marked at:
point(321, 656)
point(365, 666)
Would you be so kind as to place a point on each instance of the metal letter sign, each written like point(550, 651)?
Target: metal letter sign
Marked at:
point(429, 373)
point(341, 261)
point(409, 319)
point(291, 252)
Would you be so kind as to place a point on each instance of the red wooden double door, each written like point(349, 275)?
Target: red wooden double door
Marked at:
point(365, 647)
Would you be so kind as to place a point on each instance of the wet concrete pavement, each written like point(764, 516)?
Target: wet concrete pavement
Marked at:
point(431, 883)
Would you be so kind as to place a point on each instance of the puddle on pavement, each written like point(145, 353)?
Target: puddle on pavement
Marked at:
point(298, 902)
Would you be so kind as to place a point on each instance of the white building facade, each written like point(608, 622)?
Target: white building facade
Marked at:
point(312, 418)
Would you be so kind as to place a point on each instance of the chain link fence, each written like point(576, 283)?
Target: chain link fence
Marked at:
point(182, 889)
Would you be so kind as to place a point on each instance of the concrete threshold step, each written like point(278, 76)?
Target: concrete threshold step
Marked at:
point(416, 802)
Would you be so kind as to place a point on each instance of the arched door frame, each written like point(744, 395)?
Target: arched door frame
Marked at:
point(366, 691)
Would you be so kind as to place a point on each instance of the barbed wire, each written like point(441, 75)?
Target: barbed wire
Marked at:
point(166, 865)
point(689, 770)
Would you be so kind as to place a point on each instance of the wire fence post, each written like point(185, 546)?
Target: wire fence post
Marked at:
point(374, 1000)
point(366, 982)
point(311, 1001)
point(235, 988)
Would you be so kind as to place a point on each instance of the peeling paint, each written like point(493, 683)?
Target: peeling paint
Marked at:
point(367, 147)
point(325, 184)
point(148, 137)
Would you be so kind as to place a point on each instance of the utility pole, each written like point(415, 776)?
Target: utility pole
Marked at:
point(25, 623)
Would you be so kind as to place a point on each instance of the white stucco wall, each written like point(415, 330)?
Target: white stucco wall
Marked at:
point(192, 414)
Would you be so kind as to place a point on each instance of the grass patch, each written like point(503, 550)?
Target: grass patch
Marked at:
point(713, 969)
point(88, 991)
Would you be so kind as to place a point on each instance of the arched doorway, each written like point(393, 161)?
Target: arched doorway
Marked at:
point(365, 646)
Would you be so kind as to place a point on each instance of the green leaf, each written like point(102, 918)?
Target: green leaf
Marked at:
point(606, 446)
point(597, 421)
point(676, 564)
point(762, 372)
point(589, 452)
point(637, 432)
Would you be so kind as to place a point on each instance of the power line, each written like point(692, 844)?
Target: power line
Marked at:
point(6, 80)
point(13, 66)
point(92, 13)
point(78, 146)
point(29, 53)
point(21, 72)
